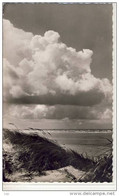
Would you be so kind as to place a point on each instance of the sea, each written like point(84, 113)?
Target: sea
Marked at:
point(91, 143)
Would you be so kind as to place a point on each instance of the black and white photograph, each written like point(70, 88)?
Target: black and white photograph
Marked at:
point(58, 93)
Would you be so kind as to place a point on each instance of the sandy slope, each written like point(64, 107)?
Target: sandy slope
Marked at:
point(65, 174)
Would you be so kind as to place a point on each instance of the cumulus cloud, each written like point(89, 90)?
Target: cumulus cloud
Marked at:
point(59, 112)
point(16, 43)
point(107, 114)
point(43, 70)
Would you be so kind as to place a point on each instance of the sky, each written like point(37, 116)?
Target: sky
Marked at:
point(57, 65)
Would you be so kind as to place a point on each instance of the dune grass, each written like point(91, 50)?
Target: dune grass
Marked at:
point(34, 153)
point(101, 172)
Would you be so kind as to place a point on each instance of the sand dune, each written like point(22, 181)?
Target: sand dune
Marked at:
point(29, 157)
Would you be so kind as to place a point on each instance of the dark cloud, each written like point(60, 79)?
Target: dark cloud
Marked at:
point(89, 98)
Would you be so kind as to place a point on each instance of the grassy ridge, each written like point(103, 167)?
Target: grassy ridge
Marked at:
point(34, 153)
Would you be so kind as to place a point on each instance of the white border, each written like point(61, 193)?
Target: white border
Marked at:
point(75, 186)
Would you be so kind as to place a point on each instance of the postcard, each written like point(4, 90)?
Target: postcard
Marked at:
point(59, 81)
